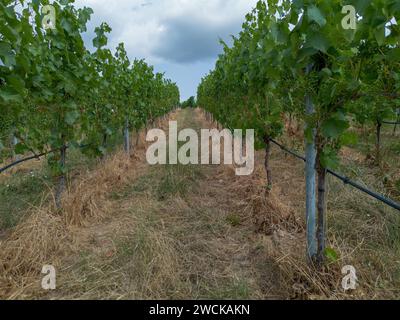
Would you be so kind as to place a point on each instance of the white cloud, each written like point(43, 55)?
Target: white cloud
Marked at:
point(146, 26)
point(178, 37)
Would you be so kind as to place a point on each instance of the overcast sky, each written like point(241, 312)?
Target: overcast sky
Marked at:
point(178, 37)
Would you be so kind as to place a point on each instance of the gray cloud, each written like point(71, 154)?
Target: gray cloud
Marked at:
point(185, 40)
point(179, 37)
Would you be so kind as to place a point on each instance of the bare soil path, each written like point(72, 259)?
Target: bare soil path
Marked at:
point(177, 232)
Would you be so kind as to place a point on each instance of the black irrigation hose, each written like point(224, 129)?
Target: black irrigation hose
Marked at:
point(358, 186)
point(296, 155)
point(391, 123)
point(346, 180)
point(26, 159)
point(35, 157)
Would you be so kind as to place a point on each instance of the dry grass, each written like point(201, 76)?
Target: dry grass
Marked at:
point(24, 168)
point(130, 231)
point(357, 231)
point(363, 233)
point(168, 242)
point(48, 235)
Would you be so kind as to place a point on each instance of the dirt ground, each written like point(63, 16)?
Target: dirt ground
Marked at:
point(129, 230)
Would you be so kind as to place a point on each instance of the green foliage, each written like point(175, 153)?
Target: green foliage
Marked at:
point(294, 49)
point(331, 255)
point(189, 103)
point(54, 92)
point(234, 220)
